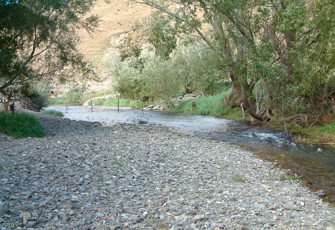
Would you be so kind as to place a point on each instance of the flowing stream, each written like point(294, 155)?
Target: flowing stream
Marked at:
point(315, 165)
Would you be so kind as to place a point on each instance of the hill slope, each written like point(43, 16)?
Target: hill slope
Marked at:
point(117, 16)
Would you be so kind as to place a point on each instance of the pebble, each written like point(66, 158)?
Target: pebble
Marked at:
point(85, 175)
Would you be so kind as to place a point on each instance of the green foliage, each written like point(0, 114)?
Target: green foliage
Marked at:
point(75, 95)
point(99, 101)
point(53, 112)
point(206, 105)
point(135, 104)
point(20, 125)
point(162, 34)
point(38, 38)
point(235, 114)
point(35, 96)
point(239, 178)
point(318, 134)
point(198, 68)
point(191, 67)
point(288, 177)
point(58, 101)
point(278, 54)
point(161, 80)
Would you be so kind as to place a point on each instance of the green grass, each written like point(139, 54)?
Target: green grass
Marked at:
point(98, 102)
point(210, 105)
point(239, 178)
point(20, 125)
point(53, 112)
point(318, 134)
point(214, 106)
point(288, 177)
point(135, 104)
point(323, 134)
point(58, 101)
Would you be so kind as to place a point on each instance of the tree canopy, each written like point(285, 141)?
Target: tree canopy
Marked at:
point(284, 49)
point(37, 39)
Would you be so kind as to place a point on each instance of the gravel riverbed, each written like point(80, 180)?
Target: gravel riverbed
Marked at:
point(85, 175)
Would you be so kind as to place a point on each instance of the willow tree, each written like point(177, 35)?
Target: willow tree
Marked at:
point(304, 31)
point(283, 47)
point(236, 29)
point(38, 39)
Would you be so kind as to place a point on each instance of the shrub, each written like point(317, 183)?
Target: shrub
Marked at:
point(20, 125)
point(53, 112)
point(75, 95)
point(34, 97)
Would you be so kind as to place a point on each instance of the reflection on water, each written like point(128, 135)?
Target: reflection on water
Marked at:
point(315, 165)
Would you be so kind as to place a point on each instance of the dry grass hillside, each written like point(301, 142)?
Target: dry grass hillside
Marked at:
point(117, 16)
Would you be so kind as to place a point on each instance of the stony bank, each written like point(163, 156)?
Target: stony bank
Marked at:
point(85, 175)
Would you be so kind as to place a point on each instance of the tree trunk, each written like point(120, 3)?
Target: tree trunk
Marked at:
point(248, 105)
point(234, 99)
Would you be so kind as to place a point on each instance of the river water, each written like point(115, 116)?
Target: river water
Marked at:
point(314, 165)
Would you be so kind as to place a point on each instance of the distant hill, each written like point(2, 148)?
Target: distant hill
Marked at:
point(116, 17)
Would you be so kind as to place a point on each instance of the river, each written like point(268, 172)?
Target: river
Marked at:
point(314, 165)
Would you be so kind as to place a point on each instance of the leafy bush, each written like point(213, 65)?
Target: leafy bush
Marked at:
point(20, 125)
point(75, 95)
point(189, 68)
point(34, 96)
point(53, 112)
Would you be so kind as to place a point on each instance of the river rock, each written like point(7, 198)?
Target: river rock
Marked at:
point(145, 177)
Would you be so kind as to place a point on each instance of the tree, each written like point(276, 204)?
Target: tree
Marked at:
point(234, 32)
point(197, 67)
point(282, 47)
point(38, 40)
point(303, 32)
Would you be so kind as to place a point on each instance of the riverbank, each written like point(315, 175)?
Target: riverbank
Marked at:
point(314, 134)
point(85, 175)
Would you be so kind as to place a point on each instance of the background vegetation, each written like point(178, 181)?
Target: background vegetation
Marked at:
point(278, 55)
point(53, 112)
point(38, 41)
